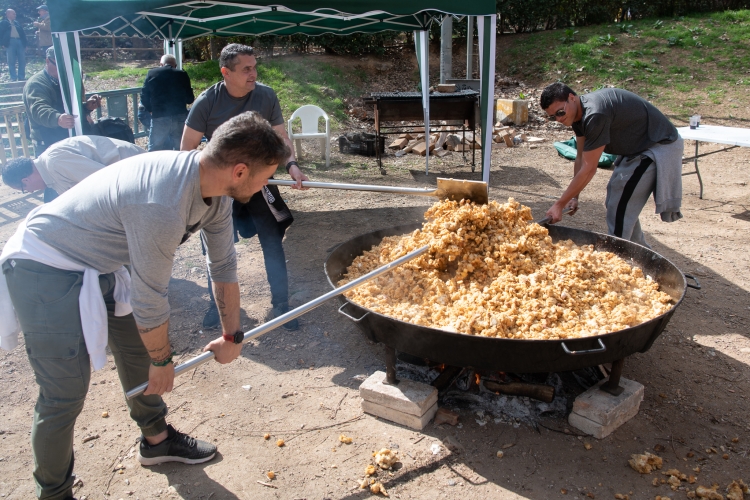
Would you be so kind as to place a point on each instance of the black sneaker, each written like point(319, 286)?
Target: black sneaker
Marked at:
point(277, 311)
point(211, 319)
point(178, 447)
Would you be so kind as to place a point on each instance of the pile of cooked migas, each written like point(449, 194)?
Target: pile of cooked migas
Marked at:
point(492, 272)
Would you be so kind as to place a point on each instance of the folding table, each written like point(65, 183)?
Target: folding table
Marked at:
point(735, 137)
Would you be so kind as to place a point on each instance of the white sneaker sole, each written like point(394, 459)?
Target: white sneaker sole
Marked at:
point(164, 459)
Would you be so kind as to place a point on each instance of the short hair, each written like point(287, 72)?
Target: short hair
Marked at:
point(16, 170)
point(228, 58)
point(247, 138)
point(557, 91)
point(169, 59)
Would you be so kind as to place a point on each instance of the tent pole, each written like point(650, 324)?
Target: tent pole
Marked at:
point(470, 48)
point(487, 27)
point(423, 57)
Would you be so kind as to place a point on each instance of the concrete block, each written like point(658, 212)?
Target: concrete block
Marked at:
point(408, 396)
point(514, 111)
point(412, 421)
point(598, 413)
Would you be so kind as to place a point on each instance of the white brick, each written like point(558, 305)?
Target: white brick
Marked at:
point(598, 413)
point(408, 396)
point(406, 419)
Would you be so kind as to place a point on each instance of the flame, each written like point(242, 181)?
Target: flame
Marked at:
point(440, 367)
point(476, 378)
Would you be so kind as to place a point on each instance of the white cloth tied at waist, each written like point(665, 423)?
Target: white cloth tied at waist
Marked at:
point(25, 245)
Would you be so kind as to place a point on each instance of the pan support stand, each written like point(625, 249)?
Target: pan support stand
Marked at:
point(390, 366)
point(612, 386)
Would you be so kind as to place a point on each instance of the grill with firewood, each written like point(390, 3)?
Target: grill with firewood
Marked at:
point(458, 111)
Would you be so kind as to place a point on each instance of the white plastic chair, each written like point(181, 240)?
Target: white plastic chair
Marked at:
point(309, 116)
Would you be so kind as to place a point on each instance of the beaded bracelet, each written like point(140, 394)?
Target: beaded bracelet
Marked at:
point(165, 361)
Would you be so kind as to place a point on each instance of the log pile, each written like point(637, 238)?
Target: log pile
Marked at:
point(443, 143)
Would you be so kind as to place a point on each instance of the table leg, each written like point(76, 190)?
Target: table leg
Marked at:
point(698, 172)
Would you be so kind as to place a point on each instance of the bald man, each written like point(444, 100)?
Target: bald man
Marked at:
point(166, 92)
point(13, 39)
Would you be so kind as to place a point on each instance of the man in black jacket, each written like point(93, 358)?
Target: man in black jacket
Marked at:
point(13, 39)
point(166, 92)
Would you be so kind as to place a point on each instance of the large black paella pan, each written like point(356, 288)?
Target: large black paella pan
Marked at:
point(513, 355)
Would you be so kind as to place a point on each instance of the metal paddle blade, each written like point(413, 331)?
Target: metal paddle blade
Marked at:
point(457, 190)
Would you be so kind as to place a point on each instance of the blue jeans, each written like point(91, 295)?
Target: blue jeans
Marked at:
point(166, 132)
point(16, 54)
point(254, 218)
point(46, 302)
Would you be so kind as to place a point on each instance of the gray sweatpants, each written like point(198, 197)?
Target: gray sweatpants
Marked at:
point(628, 190)
point(46, 302)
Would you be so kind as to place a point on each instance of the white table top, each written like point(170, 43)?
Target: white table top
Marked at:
point(720, 135)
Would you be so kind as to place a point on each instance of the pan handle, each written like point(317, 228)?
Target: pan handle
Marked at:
point(356, 320)
point(602, 348)
point(697, 285)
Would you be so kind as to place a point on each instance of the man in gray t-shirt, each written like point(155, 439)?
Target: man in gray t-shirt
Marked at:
point(617, 122)
point(136, 212)
point(265, 214)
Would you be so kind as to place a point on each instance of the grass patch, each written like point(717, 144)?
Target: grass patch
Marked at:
point(685, 54)
point(296, 82)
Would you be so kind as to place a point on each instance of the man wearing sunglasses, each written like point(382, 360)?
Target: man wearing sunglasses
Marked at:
point(649, 151)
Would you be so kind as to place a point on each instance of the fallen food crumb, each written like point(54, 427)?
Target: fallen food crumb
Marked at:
point(345, 439)
point(587, 446)
point(370, 470)
point(736, 490)
point(378, 488)
point(266, 436)
point(105, 414)
point(645, 463)
point(271, 475)
point(385, 458)
point(708, 493)
point(280, 443)
point(621, 496)
point(500, 454)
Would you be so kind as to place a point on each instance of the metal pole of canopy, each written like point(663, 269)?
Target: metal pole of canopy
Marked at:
point(470, 48)
point(178, 53)
point(487, 27)
point(423, 56)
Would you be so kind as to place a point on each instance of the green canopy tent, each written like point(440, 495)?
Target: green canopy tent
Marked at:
point(175, 21)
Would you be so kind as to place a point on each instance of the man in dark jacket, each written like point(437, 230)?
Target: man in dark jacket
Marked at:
point(43, 100)
point(13, 39)
point(166, 92)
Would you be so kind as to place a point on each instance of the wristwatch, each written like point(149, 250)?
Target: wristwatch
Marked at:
point(289, 165)
point(236, 337)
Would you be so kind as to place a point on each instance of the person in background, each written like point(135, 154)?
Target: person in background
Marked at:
point(66, 163)
point(265, 214)
point(43, 100)
point(649, 151)
point(166, 92)
point(13, 39)
point(44, 32)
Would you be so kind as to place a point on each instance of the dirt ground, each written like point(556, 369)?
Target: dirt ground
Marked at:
point(302, 386)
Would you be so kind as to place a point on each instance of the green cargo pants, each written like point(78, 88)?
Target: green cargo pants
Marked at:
point(46, 302)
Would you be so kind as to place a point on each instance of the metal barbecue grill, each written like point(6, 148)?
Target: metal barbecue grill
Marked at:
point(457, 107)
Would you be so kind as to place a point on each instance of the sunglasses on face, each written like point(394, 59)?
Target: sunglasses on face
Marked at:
point(559, 113)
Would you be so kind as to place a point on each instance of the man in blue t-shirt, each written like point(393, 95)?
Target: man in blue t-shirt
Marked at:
point(649, 151)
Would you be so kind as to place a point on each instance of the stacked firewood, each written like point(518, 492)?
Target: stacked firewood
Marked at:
point(443, 143)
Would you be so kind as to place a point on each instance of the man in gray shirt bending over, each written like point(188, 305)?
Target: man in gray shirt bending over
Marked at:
point(69, 293)
point(66, 163)
point(649, 151)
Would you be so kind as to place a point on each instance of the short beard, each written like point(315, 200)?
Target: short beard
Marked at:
point(234, 194)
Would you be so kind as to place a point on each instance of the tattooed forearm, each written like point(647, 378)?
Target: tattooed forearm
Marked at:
point(221, 302)
point(143, 331)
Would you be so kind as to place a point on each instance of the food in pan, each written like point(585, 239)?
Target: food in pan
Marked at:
point(492, 272)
